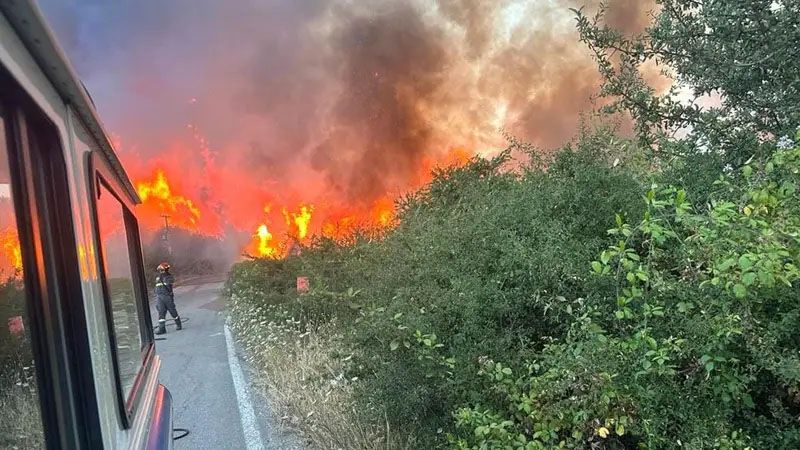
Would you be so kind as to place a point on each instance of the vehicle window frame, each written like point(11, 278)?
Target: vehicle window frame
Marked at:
point(101, 175)
point(54, 296)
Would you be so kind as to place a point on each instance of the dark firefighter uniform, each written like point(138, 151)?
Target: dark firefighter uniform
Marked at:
point(165, 299)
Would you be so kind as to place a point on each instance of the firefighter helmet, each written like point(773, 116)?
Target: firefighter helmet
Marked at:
point(163, 267)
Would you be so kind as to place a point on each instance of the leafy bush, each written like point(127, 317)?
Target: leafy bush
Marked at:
point(555, 306)
point(480, 264)
point(679, 333)
point(701, 350)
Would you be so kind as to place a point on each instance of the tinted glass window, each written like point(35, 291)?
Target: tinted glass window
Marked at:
point(119, 277)
point(20, 420)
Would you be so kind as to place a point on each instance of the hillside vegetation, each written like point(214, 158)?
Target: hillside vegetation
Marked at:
point(621, 293)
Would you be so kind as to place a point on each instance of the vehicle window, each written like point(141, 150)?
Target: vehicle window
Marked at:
point(119, 279)
point(20, 419)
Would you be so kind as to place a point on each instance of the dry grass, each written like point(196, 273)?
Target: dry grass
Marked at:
point(20, 422)
point(302, 374)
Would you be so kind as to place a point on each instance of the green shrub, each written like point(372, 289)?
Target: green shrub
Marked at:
point(701, 350)
point(497, 314)
point(479, 265)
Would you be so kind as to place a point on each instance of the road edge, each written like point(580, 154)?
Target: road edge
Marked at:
point(247, 416)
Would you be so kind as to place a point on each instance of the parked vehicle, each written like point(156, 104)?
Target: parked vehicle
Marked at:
point(78, 365)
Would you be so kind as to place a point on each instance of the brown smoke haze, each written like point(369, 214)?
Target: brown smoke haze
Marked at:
point(332, 103)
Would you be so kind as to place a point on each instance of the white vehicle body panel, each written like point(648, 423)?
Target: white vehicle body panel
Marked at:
point(77, 142)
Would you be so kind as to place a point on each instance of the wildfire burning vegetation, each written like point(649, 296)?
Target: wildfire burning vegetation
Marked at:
point(327, 111)
point(298, 222)
point(274, 229)
point(157, 198)
point(266, 247)
point(12, 253)
point(300, 227)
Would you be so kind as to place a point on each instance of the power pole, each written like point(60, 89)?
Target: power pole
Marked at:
point(165, 235)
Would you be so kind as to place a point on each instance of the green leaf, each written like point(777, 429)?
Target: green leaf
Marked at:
point(597, 267)
point(749, 278)
point(745, 263)
point(605, 257)
point(766, 278)
point(747, 171)
point(739, 290)
point(506, 371)
point(394, 345)
point(748, 401)
point(620, 314)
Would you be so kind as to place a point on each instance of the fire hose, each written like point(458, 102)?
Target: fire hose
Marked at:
point(180, 436)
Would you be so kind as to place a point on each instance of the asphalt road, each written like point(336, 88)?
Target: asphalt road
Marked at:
point(210, 385)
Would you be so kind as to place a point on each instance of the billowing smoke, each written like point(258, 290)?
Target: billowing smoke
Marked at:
point(335, 103)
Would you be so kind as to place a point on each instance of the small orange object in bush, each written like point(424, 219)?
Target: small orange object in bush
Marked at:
point(302, 284)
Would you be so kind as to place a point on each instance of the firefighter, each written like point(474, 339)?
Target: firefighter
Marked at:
point(165, 299)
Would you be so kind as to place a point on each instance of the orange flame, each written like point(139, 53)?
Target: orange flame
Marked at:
point(379, 216)
point(383, 212)
point(156, 195)
point(222, 200)
point(266, 246)
point(339, 228)
point(298, 222)
point(11, 249)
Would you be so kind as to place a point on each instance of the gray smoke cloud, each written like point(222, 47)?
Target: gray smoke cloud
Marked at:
point(329, 101)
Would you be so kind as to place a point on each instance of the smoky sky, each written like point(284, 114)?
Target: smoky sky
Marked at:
point(336, 99)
